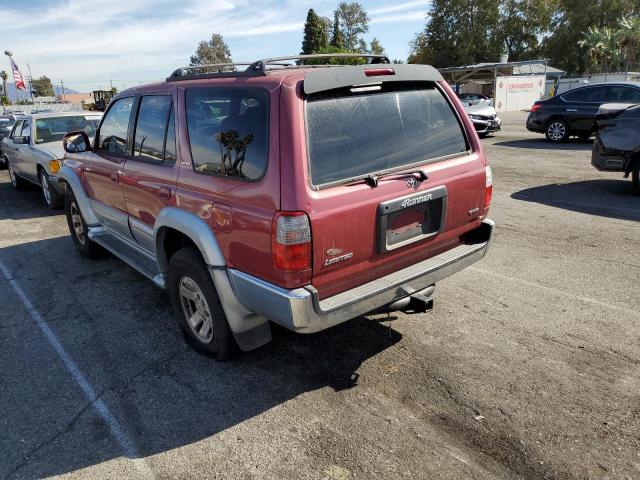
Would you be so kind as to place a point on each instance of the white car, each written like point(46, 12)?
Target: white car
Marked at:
point(33, 150)
point(484, 118)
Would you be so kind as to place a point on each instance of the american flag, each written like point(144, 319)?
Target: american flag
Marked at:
point(17, 76)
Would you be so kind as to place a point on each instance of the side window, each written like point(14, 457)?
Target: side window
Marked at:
point(170, 142)
point(623, 94)
point(228, 131)
point(151, 127)
point(579, 95)
point(17, 129)
point(26, 129)
point(113, 130)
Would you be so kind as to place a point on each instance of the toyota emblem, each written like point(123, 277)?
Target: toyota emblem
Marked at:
point(412, 182)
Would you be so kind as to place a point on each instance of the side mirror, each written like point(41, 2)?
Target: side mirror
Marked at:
point(21, 140)
point(76, 142)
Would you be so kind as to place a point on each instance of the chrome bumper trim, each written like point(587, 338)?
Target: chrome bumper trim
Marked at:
point(301, 309)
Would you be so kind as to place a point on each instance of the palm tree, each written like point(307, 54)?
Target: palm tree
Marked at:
point(628, 37)
point(593, 41)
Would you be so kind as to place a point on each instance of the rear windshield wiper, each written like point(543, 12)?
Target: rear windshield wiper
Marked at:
point(372, 179)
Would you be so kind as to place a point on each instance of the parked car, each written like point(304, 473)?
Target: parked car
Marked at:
point(617, 144)
point(573, 113)
point(6, 124)
point(287, 194)
point(33, 150)
point(484, 118)
point(474, 99)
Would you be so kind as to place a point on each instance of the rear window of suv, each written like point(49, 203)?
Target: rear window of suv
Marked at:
point(354, 134)
point(228, 131)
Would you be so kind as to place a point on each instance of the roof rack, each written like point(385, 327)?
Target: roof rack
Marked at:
point(263, 65)
point(260, 67)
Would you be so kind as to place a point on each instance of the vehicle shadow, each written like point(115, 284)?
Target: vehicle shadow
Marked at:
point(120, 332)
point(21, 205)
point(605, 197)
point(543, 144)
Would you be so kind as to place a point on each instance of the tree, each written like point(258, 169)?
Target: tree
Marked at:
point(570, 22)
point(42, 87)
point(522, 23)
point(337, 38)
point(362, 46)
point(213, 51)
point(459, 32)
point(375, 47)
point(628, 37)
point(316, 34)
point(352, 20)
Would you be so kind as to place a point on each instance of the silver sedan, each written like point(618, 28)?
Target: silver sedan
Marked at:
point(33, 151)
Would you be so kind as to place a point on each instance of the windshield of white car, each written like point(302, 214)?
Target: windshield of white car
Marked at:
point(52, 129)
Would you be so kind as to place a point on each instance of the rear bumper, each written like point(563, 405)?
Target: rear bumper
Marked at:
point(535, 124)
point(302, 311)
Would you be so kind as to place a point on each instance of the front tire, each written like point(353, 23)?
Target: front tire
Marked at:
point(78, 228)
point(51, 197)
point(197, 306)
point(557, 131)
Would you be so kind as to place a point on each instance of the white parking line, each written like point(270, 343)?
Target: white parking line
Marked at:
point(558, 291)
point(117, 431)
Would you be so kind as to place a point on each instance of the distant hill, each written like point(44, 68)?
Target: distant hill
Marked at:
point(12, 92)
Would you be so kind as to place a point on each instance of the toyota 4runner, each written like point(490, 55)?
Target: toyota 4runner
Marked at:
point(304, 195)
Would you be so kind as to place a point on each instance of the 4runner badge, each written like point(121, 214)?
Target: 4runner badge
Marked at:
point(335, 251)
point(414, 201)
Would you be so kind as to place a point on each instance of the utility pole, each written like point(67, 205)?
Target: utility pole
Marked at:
point(62, 87)
point(30, 82)
point(111, 83)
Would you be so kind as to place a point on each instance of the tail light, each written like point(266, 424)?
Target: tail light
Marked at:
point(488, 192)
point(376, 72)
point(291, 241)
point(536, 107)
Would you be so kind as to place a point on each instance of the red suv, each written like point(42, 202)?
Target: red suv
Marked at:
point(301, 195)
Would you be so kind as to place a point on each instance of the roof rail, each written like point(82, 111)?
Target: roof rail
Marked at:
point(260, 67)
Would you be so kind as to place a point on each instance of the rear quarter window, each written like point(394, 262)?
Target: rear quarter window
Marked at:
point(228, 131)
point(354, 134)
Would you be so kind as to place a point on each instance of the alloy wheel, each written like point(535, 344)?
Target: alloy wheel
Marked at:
point(76, 220)
point(45, 188)
point(195, 309)
point(557, 131)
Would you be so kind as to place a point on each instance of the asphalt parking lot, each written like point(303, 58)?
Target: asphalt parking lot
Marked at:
point(528, 366)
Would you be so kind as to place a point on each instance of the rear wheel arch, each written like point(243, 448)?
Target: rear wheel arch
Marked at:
point(176, 228)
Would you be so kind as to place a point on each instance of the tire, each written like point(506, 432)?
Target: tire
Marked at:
point(635, 177)
point(52, 198)
point(557, 131)
point(78, 228)
point(3, 162)
point(193, 295)
point(17, 182)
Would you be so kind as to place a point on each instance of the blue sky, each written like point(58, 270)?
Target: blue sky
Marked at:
point(131, 41)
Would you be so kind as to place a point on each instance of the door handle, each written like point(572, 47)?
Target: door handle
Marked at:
point(115, 177)
point(164, 193)
point(572, 110)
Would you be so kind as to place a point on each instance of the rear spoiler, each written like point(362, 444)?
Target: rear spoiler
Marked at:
point(340, 77)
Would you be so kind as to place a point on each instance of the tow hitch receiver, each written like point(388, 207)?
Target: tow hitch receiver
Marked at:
point(419, 303)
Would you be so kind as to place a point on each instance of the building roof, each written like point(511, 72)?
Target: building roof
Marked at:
point(488, 69)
